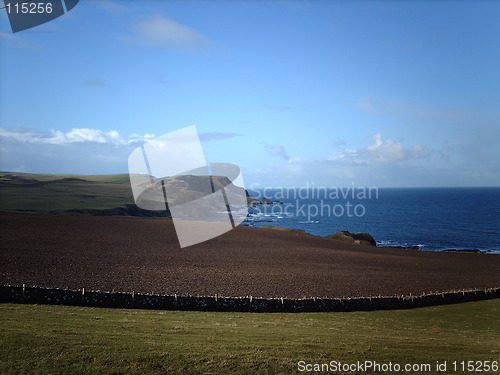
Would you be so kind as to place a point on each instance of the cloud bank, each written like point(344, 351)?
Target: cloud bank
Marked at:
point(381, 151)
point(379, 161)
point(75, 135)
point(204, 137)
point(161, 31)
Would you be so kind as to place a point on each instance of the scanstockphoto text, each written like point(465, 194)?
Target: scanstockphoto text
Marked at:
point(311, 201)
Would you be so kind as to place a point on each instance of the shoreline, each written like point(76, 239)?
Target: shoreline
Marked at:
point(411, 247)
point(432, 219)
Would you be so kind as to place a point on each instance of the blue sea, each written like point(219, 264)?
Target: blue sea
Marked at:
point(430, 218)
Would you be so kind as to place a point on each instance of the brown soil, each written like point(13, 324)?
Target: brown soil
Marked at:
point(143, 255)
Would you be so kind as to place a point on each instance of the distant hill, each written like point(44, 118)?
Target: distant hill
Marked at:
point(93, 194)
point(117, 178)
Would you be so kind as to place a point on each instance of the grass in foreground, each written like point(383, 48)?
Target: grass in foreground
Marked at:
point(63, 339)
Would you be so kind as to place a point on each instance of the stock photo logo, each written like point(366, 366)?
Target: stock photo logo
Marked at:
point(25, 15)
point(170, 173)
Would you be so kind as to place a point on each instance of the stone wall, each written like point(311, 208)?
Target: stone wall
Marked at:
point(24, 294)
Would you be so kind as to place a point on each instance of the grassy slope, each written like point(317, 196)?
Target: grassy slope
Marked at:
point(61, 339)
point(105, 191)
point(117, 178)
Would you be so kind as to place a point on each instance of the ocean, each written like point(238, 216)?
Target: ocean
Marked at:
point(430, 218)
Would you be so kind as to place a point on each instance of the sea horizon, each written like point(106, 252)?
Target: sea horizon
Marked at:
point(429, 218)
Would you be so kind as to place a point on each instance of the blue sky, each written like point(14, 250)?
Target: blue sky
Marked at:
point(336, 93)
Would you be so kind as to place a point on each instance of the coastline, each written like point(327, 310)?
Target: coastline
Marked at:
point(379, 244)
point(436, 219)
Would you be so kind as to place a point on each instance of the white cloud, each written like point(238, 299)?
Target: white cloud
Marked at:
point(391, 163)
point(76, 135)
point(158, 30)
point(297, 159)
point(140, 138)
point(378, 154)
point(381, 151)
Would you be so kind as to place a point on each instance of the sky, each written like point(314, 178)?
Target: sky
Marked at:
point(331, 93)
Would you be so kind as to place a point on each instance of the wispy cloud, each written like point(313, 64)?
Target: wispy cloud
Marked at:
point(7, 36)
point(111, 7)
point(76, 135)
point(204, 137)
point(160, 78)
point(446, 150)
point(16, 41)
point(277, 150)
point(409, 108)
point(80, 135)
point(161, 31)
point(94, 82)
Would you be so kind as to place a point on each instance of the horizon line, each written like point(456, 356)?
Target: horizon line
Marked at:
point(279, 187)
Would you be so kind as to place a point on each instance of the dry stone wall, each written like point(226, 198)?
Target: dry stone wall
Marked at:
point(35, 295)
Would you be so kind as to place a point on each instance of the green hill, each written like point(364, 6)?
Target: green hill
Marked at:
point(92, 194)
point(49, 192)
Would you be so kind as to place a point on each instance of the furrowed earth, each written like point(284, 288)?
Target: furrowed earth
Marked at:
point(143, 255)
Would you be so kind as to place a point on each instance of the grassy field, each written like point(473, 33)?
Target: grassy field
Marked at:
point(45, 192)
point(60, 339)
point(116, 178)
point(42, 193)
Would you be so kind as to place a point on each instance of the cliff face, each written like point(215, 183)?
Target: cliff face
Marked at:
point(188, 188)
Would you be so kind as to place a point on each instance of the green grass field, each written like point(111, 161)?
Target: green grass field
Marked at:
point(43, 193)
point(19, 191)
point(80, 340)
point(116, 178)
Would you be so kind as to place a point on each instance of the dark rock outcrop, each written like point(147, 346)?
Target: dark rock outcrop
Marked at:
point(361, 238)
point(412, 247)
point(463, 250)
point(263, 200)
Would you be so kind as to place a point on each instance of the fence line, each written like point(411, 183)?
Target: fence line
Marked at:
point(133, 300)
